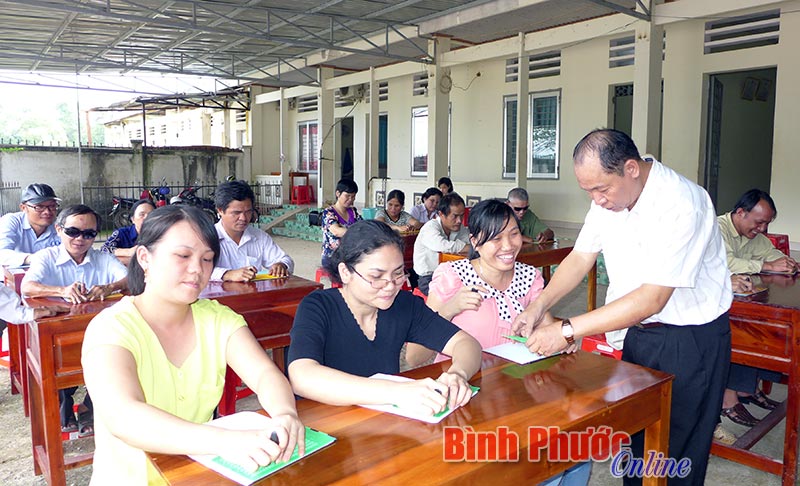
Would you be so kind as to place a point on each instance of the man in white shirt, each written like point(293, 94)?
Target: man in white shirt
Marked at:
point(77, 273)
point(669, 286)
point(244, 250)
point(444, 234)
point(31, 229)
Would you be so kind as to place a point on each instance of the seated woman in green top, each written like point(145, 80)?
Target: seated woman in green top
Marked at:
point(155, 362)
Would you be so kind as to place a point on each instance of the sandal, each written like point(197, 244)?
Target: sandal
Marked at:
point(739, 415)
point(760, 400)
point(72, 426)
point(85, 426)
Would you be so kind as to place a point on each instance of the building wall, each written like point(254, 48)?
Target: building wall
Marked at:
point(584, 83)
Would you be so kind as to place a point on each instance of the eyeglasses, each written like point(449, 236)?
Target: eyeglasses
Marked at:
point(40, 208)
point(73, 232)
point(522, 209)
point(381, 283)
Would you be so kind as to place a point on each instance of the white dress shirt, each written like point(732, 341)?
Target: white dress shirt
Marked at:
point(54, 266)
point(669, 238)
point(431, 241)
point(18, 240)
point(11, 308)
point(255, 248)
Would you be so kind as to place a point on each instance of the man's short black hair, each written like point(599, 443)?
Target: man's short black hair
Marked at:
point(612, 147)
point(232, 191)
point(448, 200)
point(750, 198)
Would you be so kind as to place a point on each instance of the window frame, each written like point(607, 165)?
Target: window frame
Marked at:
point(532, 97)
point(313, 145)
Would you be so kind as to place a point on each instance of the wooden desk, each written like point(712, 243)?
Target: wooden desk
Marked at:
point(765, 333)
point(53, 354)
point(12, 277)
point(544, 256)
point(572, 392)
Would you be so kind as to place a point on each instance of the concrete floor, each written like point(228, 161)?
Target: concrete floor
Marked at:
point(16, 465)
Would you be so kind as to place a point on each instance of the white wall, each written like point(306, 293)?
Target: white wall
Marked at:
point(477, 117)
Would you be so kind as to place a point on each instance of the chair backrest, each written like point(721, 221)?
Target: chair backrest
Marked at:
point(781, 242)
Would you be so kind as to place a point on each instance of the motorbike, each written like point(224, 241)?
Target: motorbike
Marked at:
point(121, 206)
point(189, 196)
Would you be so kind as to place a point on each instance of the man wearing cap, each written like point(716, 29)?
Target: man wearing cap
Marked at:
point(31, 229)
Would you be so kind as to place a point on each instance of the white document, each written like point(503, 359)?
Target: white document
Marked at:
point(393, 409)
point(516, 352)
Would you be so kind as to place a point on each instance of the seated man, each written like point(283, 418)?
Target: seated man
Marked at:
point(31, 229)
point(78, 273)
point(443, 234)
point(244, 250)
point(533, 230)
point(749, 251)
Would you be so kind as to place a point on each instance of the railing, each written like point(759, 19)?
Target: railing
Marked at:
point(9, 197)
point(100, 198)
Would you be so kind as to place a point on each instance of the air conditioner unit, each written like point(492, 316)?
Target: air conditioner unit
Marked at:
point(351, 93)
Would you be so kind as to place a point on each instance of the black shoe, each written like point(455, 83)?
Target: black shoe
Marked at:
point(760, 400)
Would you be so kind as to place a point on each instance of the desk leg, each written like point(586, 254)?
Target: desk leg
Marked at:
point(591, 293)
point(656, 435)
point(790, 444)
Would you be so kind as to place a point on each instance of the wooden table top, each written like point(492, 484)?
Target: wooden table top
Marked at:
point(782, 291)
point(570, 391)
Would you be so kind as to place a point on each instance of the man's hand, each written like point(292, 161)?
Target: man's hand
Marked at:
point(244, 274)
point(547, 339)
point(527, 320)
point(279, 270)
point(544, 236)
point(99, 292)
point(75, 293)
point(741, 284)
point(783, 264)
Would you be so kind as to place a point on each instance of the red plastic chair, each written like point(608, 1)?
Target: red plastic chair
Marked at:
point(321, 273)
point(597, 344)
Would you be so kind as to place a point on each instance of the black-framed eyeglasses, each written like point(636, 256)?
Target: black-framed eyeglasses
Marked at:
point(522, 209)
point(381, 283)
point(73, 232)
point(40, 208)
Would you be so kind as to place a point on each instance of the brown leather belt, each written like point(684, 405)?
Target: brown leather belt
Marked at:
point(649, 325)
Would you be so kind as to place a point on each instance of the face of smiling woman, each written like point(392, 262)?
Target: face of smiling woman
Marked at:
point(374, 270)
point(500, 252)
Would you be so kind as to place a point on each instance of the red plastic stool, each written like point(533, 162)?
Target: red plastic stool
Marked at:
point(321, 273)
point(597, 344)
point(466, 216)
point(300, 195)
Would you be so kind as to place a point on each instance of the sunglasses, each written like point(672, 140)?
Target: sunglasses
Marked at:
point(73, 232)
point(523, 208)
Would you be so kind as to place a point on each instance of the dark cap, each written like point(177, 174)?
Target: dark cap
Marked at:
point(38, 193)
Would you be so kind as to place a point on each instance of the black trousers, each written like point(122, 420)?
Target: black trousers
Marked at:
point(66, 402)
point(744, 378)
point(699, 357)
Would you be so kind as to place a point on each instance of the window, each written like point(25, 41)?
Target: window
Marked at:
point(308, 145)
point(543, 136)
point(419, 141)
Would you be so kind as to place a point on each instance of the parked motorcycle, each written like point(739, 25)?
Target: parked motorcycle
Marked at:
point(189, 196)
point(121, 206)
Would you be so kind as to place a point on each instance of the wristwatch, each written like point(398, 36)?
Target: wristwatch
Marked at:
point(567, 331)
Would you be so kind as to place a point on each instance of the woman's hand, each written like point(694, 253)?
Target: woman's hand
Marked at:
point(459, 391)
point(296, 435)
point(467, 298)
point(424, 396)
point(252, 449)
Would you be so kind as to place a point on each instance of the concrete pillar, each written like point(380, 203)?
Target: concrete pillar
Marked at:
point(438, 112)
point(328, 171)
point(523, 68)
point(646, 129)
point(373, 131)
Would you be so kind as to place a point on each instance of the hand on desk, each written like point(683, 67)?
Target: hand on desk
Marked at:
point(545, 236)
point(99, 292)
point(783, 264)
point(425, 396)
point(741, 284)
point(458, 390)
point(244, 274)
point(252, 449)
point(75, 293)
point(279, 270)
point(297, 435)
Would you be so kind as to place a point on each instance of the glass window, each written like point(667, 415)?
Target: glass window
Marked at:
point(419, 141)
point(308, 147)
point(543, 137)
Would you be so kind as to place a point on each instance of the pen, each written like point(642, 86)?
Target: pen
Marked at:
point(274, 437)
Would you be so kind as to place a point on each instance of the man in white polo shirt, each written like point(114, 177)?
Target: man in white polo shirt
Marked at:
point(668, 285)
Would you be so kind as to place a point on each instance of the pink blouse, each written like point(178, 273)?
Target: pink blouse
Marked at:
point(493, 319)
